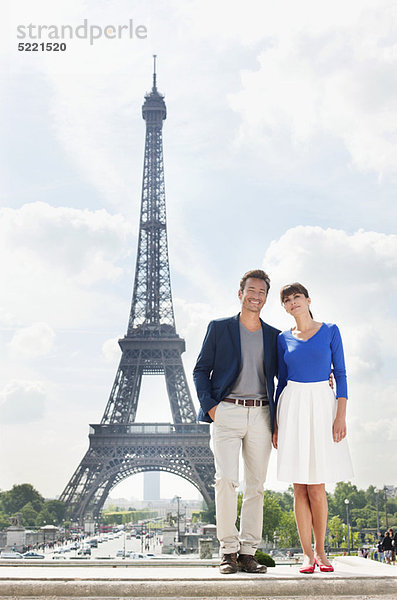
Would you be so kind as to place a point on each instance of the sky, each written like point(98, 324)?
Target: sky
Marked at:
point(280, 153)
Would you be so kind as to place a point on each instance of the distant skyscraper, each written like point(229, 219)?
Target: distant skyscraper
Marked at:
point(151, 485)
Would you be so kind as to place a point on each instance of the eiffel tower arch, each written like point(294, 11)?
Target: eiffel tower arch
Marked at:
point(119, 446)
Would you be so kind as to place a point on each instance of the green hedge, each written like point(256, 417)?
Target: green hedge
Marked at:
point(264, 559)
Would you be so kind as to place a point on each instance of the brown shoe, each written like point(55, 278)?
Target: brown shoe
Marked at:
point(249, 564)
point(228, 564)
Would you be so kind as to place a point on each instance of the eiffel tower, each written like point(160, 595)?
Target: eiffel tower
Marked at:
point(119, 447)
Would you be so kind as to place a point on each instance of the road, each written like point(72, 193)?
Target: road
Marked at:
point(108, 549)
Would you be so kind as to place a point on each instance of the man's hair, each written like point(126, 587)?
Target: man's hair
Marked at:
point(255, 274)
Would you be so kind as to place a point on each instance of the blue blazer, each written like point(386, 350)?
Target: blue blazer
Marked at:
point(219, 364)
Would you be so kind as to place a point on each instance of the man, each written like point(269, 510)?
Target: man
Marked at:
point(234, 378)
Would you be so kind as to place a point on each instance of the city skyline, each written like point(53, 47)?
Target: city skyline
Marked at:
point(278, 154)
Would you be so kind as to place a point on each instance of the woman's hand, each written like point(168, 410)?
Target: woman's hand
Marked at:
point(275, 437)
point(339, 426)
point(339, 429)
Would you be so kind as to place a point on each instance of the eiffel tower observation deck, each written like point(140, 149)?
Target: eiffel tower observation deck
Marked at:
point(118, 446)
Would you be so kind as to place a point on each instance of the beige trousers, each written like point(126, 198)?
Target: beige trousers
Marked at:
point(247, 429)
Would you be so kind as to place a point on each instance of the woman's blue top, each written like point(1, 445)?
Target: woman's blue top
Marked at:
point(310, 360)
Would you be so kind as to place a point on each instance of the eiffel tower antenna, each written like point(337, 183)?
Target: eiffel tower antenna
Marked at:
point(120, 447)
point(154, 72)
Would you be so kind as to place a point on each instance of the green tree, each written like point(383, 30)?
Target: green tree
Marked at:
point(16, 498)
point(286, 500)
point(29, 515)
point(361, 524)
point(57, 510)
point(4, 520)
point(354, 538)
point(346, 490)
point(208, 513)
point(45, 517)
point(271, 514)
point(335, 526)
point(239, 505)
point(287, 531)
point(363, 517)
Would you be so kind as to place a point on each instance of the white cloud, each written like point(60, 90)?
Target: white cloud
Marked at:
point(111, 350)
point(91, 93)
point(325, 80)
point(22, 402)
point(31, 342)
point(54, 261)
point(350, 271)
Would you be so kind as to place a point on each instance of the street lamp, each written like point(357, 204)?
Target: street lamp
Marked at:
point(178, 499)
point(377, 514)
point(348, 527)
point(386, 519)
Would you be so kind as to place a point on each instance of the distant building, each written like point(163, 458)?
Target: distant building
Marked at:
point(151, 486)
point(390, 491)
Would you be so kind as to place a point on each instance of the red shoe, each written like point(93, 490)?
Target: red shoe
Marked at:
point(324, 568)
point(309, 569)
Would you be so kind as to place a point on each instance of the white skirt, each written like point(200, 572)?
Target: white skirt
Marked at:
point(306, 450)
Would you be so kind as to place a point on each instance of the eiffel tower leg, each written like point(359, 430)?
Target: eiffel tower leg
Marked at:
point(96, 503)
point(75, 493)
point(178, 391)
point(87, 491)
point(123, 400)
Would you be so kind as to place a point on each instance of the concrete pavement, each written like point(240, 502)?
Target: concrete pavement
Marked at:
point(353, 577)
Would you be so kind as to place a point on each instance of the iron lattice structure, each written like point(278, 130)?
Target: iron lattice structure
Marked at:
point(120, 447)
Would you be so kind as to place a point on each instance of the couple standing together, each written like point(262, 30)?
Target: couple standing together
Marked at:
point(234, 377)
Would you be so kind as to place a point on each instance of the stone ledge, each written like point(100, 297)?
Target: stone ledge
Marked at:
point(231, 588)
point(327, 597)
point(353, 578)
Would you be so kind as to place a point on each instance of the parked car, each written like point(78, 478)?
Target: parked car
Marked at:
point(84, 550)
point(31, 554)
point(11, 555)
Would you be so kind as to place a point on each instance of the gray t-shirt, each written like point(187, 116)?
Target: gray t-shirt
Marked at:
point(251, 382)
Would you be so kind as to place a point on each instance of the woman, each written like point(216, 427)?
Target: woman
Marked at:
point(310, 428)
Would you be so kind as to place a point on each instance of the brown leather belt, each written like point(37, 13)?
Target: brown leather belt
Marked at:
point(246, 402)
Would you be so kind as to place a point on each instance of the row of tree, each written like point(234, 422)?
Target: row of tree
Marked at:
point(365, 507)
point(119, 517)
point(35, 511)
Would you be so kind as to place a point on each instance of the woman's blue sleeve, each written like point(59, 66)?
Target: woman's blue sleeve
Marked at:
point(338, 362)
point(282, 368)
